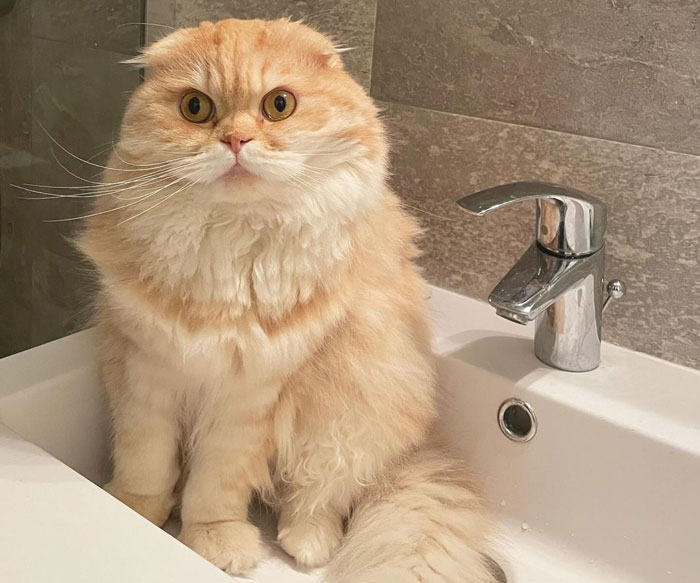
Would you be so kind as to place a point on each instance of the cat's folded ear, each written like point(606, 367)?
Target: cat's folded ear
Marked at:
point(156, 53)
point(332, 57)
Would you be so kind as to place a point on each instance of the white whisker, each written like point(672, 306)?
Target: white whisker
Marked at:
point(105, 188)
point(161, 201)
point(145, 180)
point(426, 212)
point(78, 157)
point(141, 199)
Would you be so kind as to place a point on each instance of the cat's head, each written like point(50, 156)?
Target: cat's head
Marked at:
point(252, 110)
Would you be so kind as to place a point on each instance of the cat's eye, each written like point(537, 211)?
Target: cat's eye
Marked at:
point(196, 107)
point(278, 104)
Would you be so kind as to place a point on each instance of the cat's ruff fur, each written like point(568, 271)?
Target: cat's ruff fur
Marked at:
point(268, 332)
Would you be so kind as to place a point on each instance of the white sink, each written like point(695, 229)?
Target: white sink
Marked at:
point(606, 491)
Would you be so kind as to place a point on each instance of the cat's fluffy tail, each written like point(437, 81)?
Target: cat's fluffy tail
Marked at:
point(423, 524)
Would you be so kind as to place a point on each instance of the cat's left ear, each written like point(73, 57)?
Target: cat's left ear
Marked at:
point(156, 53)
point(332, 57)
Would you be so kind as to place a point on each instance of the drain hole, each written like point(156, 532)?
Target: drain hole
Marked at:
point(517, 420)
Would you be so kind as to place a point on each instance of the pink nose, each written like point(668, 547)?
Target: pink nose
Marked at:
point(236, 142)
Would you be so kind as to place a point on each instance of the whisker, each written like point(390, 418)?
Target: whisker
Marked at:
point(78, 157)
point(97, 191)
point(116, 153)
point(161, 201)
point(304, 180)
point(420, 210)
point(95, 194)
point(141, 199)
point(314, 169)
point(145, 24)
point(99, 153)
point(105, 188)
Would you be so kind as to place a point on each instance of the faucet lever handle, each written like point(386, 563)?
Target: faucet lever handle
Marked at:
point(616, 289)
point(570, 223)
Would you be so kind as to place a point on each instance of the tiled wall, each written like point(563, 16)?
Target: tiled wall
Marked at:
point(60, 61)
point(601, 96)
point(351, 22)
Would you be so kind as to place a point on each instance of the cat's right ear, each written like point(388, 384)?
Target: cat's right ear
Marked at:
point(159, 51)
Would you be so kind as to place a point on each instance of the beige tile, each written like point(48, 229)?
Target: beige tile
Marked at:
point(349, 22)
point(618, 69)
point(653, 240)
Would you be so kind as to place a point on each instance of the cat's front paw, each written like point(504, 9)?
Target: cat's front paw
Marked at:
point(233, 546)
point(155, 508)
point(311, 540)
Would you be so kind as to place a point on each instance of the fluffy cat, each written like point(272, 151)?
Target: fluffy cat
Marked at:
point(262, 325)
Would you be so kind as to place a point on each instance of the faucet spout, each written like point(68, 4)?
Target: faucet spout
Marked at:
point(565, 298)
point(535, 282)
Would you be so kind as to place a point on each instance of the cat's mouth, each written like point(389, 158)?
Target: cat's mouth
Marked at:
point(237, 171)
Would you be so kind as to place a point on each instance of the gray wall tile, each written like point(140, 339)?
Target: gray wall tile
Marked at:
point(15, 157)
point(653, 240)
point(62, 290)
point(160, 16)
point(44, 287)
point(82, 113)
point(349, 22)
point(626, 70)
point(15, 78)
point(107, 24)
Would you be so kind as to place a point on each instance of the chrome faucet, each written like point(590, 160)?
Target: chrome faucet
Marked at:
point(559, 280)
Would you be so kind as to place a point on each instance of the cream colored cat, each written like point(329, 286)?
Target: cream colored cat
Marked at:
point(262, 325)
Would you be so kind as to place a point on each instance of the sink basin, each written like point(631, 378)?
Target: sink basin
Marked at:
point(606, 490)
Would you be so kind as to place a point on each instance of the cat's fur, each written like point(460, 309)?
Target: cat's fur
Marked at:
point(267, 331)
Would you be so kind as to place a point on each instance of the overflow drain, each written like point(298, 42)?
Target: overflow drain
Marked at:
point(517, 420)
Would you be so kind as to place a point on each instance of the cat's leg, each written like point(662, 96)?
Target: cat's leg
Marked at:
point(336, 437)
point(311, 537)
point(145, 434)
point(229, 460)
point(323, 469)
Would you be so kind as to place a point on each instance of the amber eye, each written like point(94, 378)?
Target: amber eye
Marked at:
point(196, 107)
point(278, 104)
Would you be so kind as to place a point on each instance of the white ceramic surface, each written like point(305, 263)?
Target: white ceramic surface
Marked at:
point(605, 492)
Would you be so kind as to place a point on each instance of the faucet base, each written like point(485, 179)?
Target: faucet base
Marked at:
point(568, 333)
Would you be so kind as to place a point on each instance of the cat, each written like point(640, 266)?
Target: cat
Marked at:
point(262, 327)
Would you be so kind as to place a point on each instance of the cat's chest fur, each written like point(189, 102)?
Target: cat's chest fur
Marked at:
point(215, 285)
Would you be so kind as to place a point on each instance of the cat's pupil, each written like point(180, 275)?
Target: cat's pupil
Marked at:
point(280, 103)
point(194, 105)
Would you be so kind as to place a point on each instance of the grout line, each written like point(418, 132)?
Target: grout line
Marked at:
point(390, 102)
point(144, 14)
point(374, 44)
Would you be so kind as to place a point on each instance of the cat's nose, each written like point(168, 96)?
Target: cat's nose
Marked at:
point(236, 142)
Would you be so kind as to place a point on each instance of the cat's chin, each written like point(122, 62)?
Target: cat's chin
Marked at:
point(243, 188)
point(236, 173)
